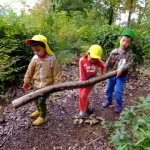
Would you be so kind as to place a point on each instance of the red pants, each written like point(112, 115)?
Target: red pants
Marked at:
point(83, 98)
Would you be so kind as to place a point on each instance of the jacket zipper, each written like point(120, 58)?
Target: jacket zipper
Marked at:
point(41, 74)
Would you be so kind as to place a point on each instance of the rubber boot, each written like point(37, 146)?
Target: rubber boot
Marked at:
point(39, 121)
point(34, 114)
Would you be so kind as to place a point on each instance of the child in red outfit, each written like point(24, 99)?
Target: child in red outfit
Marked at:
point(88, 66)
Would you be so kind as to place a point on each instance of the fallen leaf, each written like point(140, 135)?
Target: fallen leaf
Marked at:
point(100, 118)
point(75, 121)
point(94, 122)
point(111, 106)
point(80, 121)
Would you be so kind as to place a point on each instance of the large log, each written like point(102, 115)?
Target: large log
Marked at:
point(60, 87)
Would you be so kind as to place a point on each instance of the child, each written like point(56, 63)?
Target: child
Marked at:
point(43, 70)
point(120, 59)
point(88, 66)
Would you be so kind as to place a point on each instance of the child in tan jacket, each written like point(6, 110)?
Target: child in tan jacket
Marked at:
point(42, 71)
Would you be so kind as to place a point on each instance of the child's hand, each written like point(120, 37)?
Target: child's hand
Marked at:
point(25, 86)
point(119, 72)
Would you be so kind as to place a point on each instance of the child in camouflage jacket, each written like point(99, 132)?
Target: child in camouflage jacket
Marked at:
point(120, 59)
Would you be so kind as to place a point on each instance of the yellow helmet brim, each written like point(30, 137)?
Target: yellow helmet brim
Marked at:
point(43, 39)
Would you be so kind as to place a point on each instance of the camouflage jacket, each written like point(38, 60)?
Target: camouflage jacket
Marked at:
point(114, 58)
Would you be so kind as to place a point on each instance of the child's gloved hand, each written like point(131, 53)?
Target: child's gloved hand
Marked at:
point(26, 86)
point(119, 72)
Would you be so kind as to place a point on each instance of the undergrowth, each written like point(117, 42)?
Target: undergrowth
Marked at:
point(132, 130)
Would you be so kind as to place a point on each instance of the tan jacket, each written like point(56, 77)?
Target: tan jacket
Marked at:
point(43, 72)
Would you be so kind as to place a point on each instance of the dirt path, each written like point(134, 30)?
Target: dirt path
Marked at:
point(63, 131)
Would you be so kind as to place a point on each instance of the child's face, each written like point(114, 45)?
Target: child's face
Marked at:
point(125, 42)
point(39, 50)
point(90, 59)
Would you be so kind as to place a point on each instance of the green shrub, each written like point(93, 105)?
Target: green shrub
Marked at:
point(15, 56)
point(107, 37)
point(146, 50)
point(132, 130)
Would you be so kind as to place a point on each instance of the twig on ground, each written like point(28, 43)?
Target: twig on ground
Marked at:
point(7, 136)
point(91, 142)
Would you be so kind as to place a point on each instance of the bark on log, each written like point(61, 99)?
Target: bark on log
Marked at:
point(60, 87)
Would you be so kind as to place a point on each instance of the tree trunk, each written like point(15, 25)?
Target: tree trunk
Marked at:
point(60, 87)
point(130, 13)
point(111, 16)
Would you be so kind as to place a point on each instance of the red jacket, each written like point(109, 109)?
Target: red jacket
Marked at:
point(88, 69)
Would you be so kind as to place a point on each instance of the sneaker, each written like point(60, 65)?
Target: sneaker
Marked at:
point(118, 109)
point(34, 114)
point(39, 121)
point(107, 104)
point(82, 114)
point(90, 110)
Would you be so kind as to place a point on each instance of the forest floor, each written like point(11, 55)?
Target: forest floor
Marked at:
point(63, 131)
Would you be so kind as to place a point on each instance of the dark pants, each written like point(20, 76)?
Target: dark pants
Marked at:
point(115, 85)
point(41, 105)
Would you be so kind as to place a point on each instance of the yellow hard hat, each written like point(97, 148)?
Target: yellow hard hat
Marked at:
point(43, 39)
point(96, 51)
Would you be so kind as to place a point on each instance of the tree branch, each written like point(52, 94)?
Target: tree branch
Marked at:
point(60, 87)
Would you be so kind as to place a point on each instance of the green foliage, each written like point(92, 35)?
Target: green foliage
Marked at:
point(107, 37)
point(70, 33)
point(106, 10)
point(141, 47)
point(78, 5)
point(132, 130)
point(146, 51)
point(14, 56)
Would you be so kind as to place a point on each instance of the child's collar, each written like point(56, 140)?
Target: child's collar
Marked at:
point(43, 57)
point(117, 49)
